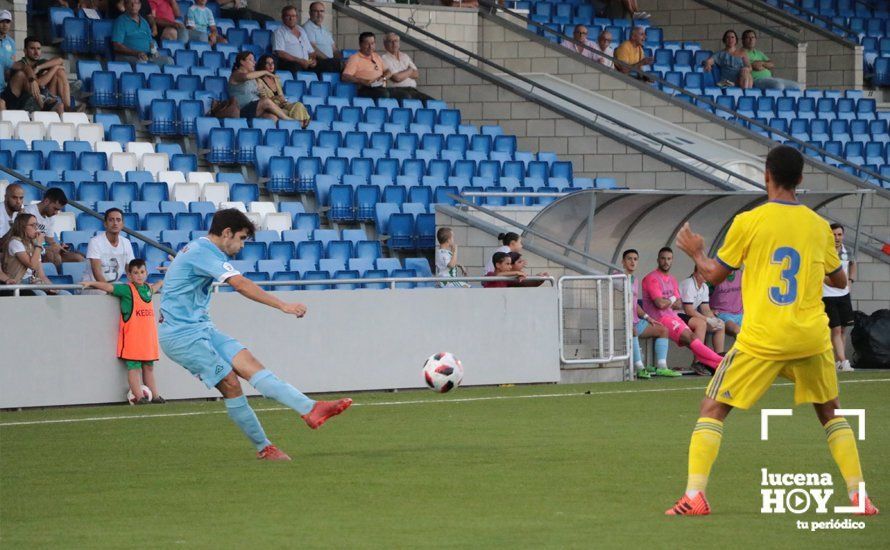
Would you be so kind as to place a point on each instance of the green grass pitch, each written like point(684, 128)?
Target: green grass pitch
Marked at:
point(477, 468)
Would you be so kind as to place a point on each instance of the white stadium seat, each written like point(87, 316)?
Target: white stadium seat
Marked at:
point(171, 177)
point(215, 193)
point(29, 131)
point(109, 148)
point(200, 178)
point(139, 148)
point(255, 218)
point(91, 133)
point(61, 132)
point(186, 192)
point(15, 116)
point(263, 207)
point(64, 221)
point(75, 118)
point(123, 162)
point(45, 117)
point(155, 163)
point(276, 221)
point(238, 205)
point(6, 130)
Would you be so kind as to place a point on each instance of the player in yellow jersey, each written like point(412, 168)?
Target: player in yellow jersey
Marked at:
point(787, 250)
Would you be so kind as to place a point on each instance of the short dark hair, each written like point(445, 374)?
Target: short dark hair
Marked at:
point(507, 238)
point(112, 210)
point(231, 218)
point(54, 194)
point(514, 256)
point(785, 165)
point(629, 251)
point(746, 32)
point(29, 39)
point(498, 257)
point(665, 249)
point(837, 225)
point(443, 234)
point(366, 34)
point(287, 8)
point(138, 262)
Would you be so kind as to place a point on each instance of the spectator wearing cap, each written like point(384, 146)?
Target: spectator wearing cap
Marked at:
point(7, 49)
point(403, 81)
point(366, 69)
point(328, 57)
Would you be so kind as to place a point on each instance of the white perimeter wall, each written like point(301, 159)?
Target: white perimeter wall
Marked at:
point(61, 350)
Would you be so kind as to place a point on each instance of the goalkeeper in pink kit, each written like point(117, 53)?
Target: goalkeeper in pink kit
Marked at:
point(661, 300)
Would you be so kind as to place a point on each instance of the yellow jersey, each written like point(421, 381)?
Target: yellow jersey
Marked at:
point(787, 249)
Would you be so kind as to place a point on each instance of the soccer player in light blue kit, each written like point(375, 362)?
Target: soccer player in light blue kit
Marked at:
point(188, 336)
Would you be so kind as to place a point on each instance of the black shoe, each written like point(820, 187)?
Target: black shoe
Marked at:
point(701, 369)
point(158, 400)
point(143, 401)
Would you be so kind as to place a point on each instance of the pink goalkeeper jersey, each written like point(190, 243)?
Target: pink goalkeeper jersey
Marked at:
point(659, 285)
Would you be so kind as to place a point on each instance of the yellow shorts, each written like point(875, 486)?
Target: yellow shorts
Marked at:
point(742, 379)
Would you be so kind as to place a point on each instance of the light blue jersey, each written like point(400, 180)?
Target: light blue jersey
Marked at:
point(186, 296)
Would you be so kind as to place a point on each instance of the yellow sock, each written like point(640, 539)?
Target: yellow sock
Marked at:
point(842, 443)
point(703, 449)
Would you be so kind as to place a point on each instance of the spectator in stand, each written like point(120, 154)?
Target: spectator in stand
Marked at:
point(761, 66)
point(519, 264)
point(503, 267)
point(328, 57)
point(661, 300)
point(580, 44)
point(244, 90)
point(237, 9)
point(32, 82)
point(697, 311)
point(645, 326)
point(137, 337)
point(838, 305)
point(291, 43)
point(510, 242)
point(446, 259)
point(604, 46)
point(735, 69)
point(54, 200)
point(7, 49)
point(13, 201)
point(165, 13)
point(201, 24)
point(726, 302)
point(366, 68)
point(269, 86)
point(632, 55)
point(109, 252)
point(12, 206)
point(403, 82)
point(119, 8)
point(131, 37)
point(623, 9)
point(460, 3)
point(21, 263)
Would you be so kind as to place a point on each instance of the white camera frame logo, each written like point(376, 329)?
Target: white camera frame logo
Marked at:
point(798, 500)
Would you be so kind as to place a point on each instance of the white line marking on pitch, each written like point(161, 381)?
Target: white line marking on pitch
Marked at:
point(394, 403)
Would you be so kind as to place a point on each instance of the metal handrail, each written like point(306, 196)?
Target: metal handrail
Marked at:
point(342, 6)
point(785, 3)
point(24, 179)
point(698, 98)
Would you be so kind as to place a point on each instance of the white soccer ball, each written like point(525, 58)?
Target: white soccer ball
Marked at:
point(146, 393)
point(443, 372)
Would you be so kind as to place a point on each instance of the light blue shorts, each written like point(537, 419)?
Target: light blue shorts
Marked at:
point(734, 317)
point(642, 325)
point(207, 354)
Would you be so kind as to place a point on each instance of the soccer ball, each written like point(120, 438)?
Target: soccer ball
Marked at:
point(146, 393)
point(443, 372)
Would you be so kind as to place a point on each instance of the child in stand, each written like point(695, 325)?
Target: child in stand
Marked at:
point(137, 341)
point(446, 259)
point(202, 25)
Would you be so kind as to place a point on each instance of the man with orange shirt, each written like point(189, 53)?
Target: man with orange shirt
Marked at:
point(366, 69)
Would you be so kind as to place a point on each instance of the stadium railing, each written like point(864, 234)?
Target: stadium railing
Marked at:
point(698, 98)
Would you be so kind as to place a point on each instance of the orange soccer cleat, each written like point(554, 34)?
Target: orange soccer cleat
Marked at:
point(870, 509)
point(271, 452)
point(323, 410)
point(696, 506)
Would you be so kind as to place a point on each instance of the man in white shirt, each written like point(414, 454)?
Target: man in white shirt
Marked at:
point(54, 200)
point(402, 83)
point(604, 45)
point(291, 45)
point(580, 44)
point(13, 200)
point(838, 305)
point(108, 253)
point(697, 310)
point(327, 55)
